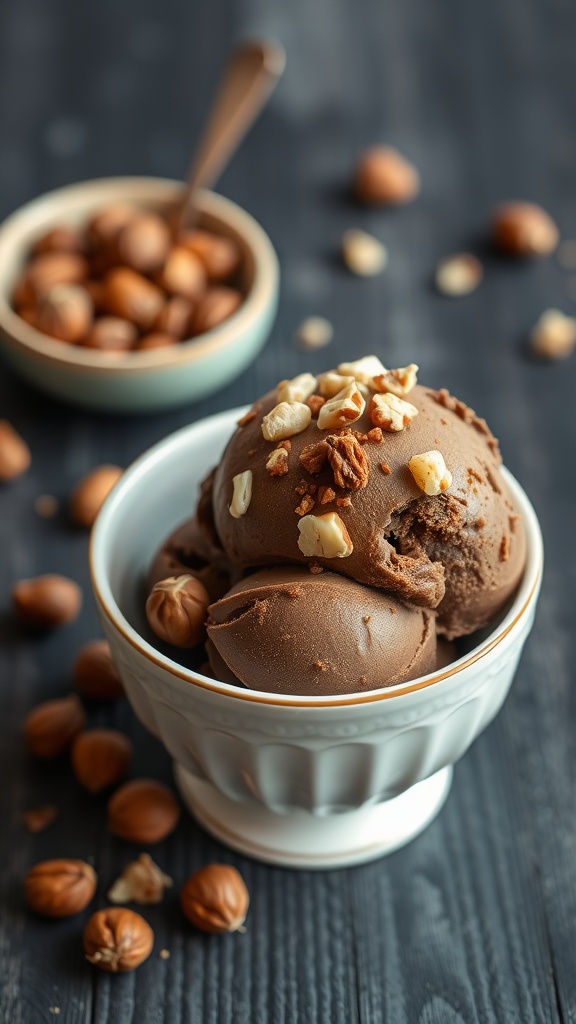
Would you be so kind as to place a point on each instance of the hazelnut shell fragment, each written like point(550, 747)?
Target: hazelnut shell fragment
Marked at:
point(143, 811)
point(215, 899)
point(60, 888)
point(50, 600)
point(52, 725)
point(141, 881)
point(117, 939)
point(100, 758)
point(176, 610)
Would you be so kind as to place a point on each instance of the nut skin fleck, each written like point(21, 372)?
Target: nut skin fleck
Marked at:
point(51, 726)
point(143, 811)
point(46, 601)
point(215, 899)
point(60, 888)
point(117, 939)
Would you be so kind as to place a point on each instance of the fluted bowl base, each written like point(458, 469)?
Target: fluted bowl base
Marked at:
point(297, 839)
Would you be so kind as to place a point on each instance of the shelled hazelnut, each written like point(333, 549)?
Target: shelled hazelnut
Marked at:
point(90, 493)
point(117, 939)
point(121, 283)
point(94, 672)
point(143, 811)
point(100, 758)
point(51, 726)
point(44, 601)
point(176, 610)
point(15, 455)
point(384, 176)
point(60, 888)
point(215, 899)
point(524, 229)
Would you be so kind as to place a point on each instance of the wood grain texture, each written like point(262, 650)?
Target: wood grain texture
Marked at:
point(474, 922)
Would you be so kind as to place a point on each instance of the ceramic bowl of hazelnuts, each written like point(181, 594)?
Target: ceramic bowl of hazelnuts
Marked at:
point(104, 304)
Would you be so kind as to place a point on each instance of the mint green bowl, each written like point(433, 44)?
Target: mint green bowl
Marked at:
point(137, 381)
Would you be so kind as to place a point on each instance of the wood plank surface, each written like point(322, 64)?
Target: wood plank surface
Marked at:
point(474, 922)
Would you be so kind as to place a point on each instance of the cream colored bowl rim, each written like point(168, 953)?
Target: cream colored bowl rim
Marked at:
point(523, 600)
point(24, 221)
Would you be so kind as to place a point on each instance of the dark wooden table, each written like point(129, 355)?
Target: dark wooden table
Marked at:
point(475, 920)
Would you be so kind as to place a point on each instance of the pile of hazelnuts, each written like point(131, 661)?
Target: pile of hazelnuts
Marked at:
point(123, 283)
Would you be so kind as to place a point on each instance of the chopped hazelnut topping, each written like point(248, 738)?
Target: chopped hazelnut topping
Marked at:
point(513, 520)
point(362, 253)
point(459, 274)
point(296, 390)
point(305, 506)
point(314, 332)
point(285, 444)
point(391, 413)
point(346, 407)
point(430, 472)
point(344, 502)
point(314, 568)
point(242, 494)
point(348, 461)
point(505, 548)
point(286, 420)
point(277, 462)
point(398, 382)
point(375, 436)
point(363, 370)
point(326, 495)
point(331, 383)
point(385, 468)
point(315, 403)
point(313, 457)
point(324, 536)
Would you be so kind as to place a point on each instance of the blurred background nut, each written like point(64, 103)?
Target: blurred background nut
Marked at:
point(220, 255)
point(65, 312)
point(105, 226)
point(143, 811)
point(117, 939)
point(100, 758)
point(112, 334)
point(48, 270)
point(183, 274)
point(362, 253)
point(94, 672)
point(50, 600)
point(59, 239)
point(215, 899)
point(52, 725)
point(60, 888)
point(524, 229)
point(176, 610)
point(141, 881)
point(459, 274)
point(15, 455)
point(554, 335)
point(132, 297)
point(175, 318)
point(216, 306)
point(152, 341)
point(384, 176)
point(90, 493)
point(143, 243)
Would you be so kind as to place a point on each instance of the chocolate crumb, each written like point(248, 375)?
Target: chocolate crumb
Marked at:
point(512, 521)
point(321, 665)
point(375, 436)
point(385, 468)
point(363, 680)
point(314, 568)
point(285, 444)
point(474, 472)
point(325, 495)
point(344, 502)
point(505, 548)
point(480, 523)
point(393, 610)
point(366, 618)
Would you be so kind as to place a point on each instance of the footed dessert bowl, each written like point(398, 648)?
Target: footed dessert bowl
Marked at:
point(300, 781)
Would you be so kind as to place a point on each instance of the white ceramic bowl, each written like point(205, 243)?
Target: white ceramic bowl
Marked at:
point(298, 781)
point(137, 381)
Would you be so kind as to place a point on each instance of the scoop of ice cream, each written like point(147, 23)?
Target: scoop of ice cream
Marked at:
point(187, 551)
point(287, 630)
point(460, 551)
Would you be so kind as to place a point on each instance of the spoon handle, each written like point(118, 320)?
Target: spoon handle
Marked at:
point(251, 74)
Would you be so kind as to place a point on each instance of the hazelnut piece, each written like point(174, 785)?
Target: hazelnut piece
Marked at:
point(90, 493)
point(176, 610)
point(49, 600)
point(220, 255)
point(524, 229)
point(384, 176)
point(60, 888)
point(143, 243)
point(60, 239)
point(217, 306)
point(143, 811)
point(112, 334)
point(117, 939)
point(52, 725)
point(183, 274)
point(132, 297)
point(141, 881)
point(14, 453)
point(155, 340)
point(65, 313)
point(215, 899)
point(175, 318)
point(94, 672)
point(100, 758)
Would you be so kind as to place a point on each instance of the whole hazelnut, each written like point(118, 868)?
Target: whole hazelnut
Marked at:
point(105, 225)
point(59, 239)
point(175, 318)
point(143, 811)
point(49, 600)
point(112, 334)
point(144, 243)
point(94, 672)
point(151, 341)
point(219, 254)
point(60, 888)
point(100, 758)
point(524, 229)
point(176, 610)
point(216, 306)
point(52, 268)
point(215, 899)
point(95, 290)
point(132, 297)
point(51, 726)
point(90, 493)
point(65, 312)
point(183, 274)
point(384, 176)
point(14, 453)
point(117, 939)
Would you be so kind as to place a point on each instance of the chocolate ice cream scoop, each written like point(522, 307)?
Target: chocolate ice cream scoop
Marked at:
point(290, 631)
point(460, 551)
